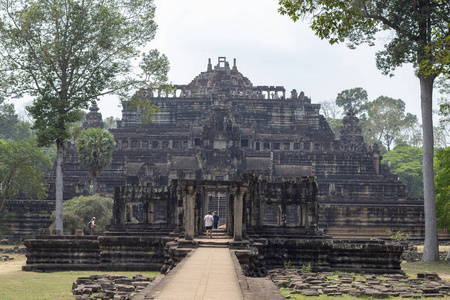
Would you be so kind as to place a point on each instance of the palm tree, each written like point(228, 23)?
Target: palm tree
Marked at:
point(94, 148)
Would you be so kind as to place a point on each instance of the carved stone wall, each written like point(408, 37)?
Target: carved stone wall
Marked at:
point(272, 224)
point(220, 126)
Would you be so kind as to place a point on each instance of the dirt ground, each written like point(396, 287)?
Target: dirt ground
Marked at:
point(15, 265)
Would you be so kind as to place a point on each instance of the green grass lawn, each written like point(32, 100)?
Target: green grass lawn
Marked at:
point(16, 284)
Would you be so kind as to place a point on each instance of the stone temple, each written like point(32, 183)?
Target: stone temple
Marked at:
point(220, 126)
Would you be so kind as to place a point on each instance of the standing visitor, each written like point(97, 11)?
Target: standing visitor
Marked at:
point(91, 225)
point(216, 220)
point(209, 220)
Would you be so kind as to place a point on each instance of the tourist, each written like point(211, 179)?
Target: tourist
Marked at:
point(91, 225)
point(209, 220)
point(216, 220)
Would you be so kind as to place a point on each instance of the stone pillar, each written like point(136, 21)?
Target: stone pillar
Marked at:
point(230, 204)
point(189, 215)
point(209, 65)
point(148, 215)
point(238, 192)
point(376, 159)
point(119, 209)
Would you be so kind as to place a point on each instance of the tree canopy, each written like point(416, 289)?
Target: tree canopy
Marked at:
point(442, 178)
point(68, 53)
point(387, 122)
point(11, 128)
point(94, 149)
point(383, 120)
point(354, 99)
point(22, 170)
point(406, 162)
point(416, 31)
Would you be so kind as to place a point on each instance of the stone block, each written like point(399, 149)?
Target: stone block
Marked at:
point(309, 293)
point(79, 232)
point(125, 288)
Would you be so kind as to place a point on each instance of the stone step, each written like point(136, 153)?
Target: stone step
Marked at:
point(213, 243)
point(214, 236)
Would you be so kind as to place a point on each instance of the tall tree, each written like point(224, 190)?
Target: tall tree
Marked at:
point(442, 162)
point(387, 121)
point(406, 161)
point(67, 53)
point(94, 149)
point(22, 170)
point(415, 27)
point(442, 136)
point(354, 99)
point(11, 128)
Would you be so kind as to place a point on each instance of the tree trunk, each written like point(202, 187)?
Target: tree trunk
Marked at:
point(94, 183)
point(431, 246)
point(59, 184)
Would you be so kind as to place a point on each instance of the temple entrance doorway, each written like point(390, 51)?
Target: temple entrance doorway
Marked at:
point(217, 202)
point(199, 197)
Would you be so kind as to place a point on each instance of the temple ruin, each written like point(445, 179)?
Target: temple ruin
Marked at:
point(271, 224)
point(220, 126)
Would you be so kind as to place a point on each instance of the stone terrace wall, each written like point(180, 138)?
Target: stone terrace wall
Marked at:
point(62, 253)
point(106, 253)
point(371, 220)
point(367, 256)
point(132, 253)
point(322, 255)
point(29, 216)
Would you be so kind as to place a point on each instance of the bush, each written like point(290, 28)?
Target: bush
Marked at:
point(77, 212)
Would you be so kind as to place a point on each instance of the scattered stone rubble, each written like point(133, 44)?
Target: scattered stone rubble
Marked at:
point(109, 287)
point(394, 285)
point(5, 258)
point(410, 254)
point(16, 250)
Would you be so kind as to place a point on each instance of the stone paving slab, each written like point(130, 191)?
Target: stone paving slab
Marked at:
point(207, 273)
point(210, 273)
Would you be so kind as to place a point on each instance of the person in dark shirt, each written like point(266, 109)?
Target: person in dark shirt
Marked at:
point(216, 220)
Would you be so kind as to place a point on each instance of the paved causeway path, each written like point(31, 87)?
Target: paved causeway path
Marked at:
point(208, 273)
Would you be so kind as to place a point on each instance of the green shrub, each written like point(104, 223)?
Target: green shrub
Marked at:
point(77, 212)
point(398, 236)
point(289, 266)
point(306, 268)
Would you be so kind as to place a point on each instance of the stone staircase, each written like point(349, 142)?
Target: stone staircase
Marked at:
point(220, 239)
point(219, 204)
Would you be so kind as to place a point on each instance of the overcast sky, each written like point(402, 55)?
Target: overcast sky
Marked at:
point(270, 49)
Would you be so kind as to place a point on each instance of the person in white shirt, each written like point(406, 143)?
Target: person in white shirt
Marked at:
point(209, 220)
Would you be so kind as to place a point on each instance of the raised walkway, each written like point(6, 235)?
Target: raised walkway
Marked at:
point(209, 272)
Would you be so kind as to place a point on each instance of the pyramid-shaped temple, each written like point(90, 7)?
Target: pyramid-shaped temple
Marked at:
point(220, 126)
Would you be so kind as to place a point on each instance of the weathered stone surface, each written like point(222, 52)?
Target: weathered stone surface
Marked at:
point(309, 292)
point(390, 285)
point(219, 126)
point(108, 286)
